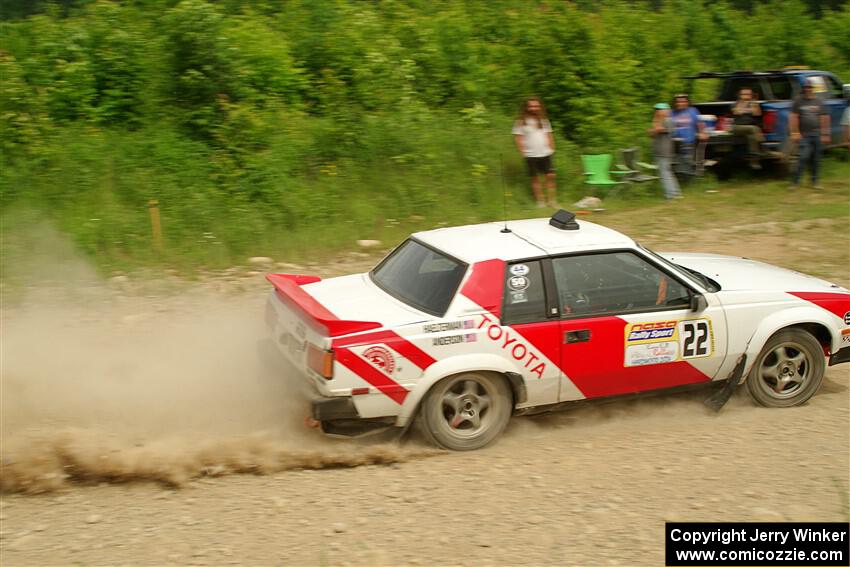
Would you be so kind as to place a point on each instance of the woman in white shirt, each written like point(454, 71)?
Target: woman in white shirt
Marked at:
point(533, 135)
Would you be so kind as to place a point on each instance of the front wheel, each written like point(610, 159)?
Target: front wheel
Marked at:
point(466, 411)
point(788, 371)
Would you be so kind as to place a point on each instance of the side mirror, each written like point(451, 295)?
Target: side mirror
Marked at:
point(698, 302)
point(847, 92)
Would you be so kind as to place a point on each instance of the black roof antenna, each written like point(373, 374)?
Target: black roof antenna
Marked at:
point(504, 194)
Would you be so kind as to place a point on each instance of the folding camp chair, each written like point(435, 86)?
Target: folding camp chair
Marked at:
point(632, 167)
point(597, 170)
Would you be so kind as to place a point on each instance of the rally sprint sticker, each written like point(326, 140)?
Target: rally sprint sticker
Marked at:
point(661, 342)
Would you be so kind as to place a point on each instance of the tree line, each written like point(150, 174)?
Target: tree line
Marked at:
point(270, 103)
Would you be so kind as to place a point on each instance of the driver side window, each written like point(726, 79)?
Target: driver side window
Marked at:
point(614, 282)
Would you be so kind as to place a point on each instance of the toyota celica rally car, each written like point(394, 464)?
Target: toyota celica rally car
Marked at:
point(461, 328)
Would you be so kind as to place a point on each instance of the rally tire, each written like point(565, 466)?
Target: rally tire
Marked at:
point(466, 411)
point(788, 370)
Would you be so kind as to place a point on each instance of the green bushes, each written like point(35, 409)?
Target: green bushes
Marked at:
point(273, 128)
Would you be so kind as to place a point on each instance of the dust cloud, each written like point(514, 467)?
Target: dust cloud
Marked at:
point(101, 383)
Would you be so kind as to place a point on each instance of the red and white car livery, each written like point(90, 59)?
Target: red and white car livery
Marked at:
point(463, 327)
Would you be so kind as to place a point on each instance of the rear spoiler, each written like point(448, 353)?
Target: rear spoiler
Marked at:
point(288, 289)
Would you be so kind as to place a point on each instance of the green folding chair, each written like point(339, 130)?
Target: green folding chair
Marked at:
point(597, 170)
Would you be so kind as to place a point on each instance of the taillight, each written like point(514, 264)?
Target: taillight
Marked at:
point(321, 361)
point(768, 121)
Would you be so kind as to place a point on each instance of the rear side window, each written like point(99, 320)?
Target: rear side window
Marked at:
point(420, 276)
point(525, 297)
point(734, 85)
point(833, 88)
point(781, 88)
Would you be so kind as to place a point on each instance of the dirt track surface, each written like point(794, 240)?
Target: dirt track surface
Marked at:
point(154, 454)
point(589, 488)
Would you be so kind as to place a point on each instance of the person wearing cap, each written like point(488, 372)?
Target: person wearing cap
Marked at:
point(809, 125)
point(745, 113)
point(662, 149)
point(689, 128)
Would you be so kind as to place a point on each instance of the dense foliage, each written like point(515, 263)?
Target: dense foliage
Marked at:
point(265, 126)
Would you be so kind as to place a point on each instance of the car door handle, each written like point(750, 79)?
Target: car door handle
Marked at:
point(580, 336)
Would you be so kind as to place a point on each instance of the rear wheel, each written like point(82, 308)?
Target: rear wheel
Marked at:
point(788, 371)
point(466, 411)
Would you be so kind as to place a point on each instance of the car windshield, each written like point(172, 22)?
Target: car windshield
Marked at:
point(706, 281)
point(420, 276)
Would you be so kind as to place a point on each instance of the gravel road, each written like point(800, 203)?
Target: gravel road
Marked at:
point(589, 487)
point(592, 486)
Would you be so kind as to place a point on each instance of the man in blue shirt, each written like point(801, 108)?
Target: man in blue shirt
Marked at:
point(686, 119)
point(688, 129)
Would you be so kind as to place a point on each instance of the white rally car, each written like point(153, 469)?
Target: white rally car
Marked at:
point(463, 327)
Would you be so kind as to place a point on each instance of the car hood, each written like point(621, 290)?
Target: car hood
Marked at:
point(357, 298)
point(734, 273)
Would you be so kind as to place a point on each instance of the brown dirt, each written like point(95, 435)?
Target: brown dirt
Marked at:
point(139, 428)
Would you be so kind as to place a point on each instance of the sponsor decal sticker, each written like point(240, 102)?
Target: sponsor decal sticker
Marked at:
point(380, 357)
point(651, 331)
point(660, 342)
point(519, 270)
point(847, 318)
point(652, 353)
point(518, 297)
point(845, 337)
point(513, 345)
point(518, 283)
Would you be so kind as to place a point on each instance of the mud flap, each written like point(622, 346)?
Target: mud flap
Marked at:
point(719, 398)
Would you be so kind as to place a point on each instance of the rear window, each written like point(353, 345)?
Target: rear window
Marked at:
point(781, 88)
point(735, 84)
point(420, 276)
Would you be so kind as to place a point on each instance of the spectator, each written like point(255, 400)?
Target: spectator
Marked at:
point(662, 149)
point(689, 129)
point(810, 128)
point(746, 113)
point(533, 135)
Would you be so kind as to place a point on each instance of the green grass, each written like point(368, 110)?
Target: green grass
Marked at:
point(296, 201)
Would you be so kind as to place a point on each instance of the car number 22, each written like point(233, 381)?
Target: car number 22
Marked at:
point(696, 337)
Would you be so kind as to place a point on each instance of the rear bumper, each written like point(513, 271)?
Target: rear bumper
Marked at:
point(840, 356)
point(329, 409)
point(336, 415)
point(321, 407)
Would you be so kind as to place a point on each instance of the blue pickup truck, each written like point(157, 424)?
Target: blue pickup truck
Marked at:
point(775, 92)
